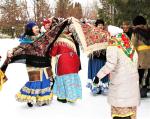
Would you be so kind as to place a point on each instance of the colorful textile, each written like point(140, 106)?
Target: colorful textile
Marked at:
point(123, 42)
point(36, 53)
point(67, 82)
point(67, 59)
point(68, 87)
point(91, 38)
point(36, 91)
point(29, 39)
point(3, 79)
point(94, 65)
point(98, 89)
point(123, 112)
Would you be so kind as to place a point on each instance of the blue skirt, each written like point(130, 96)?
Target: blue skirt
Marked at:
point(68, 87)
point(36, 91)
point(94, 65)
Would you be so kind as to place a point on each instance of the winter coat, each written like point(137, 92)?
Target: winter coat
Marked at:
point(124, 79)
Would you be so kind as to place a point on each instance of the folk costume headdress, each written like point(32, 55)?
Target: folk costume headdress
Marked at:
point(122, 41)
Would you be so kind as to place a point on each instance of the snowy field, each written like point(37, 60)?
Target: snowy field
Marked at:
point(90, 107)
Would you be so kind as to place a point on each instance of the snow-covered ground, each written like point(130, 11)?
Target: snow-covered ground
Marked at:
point(90, 107)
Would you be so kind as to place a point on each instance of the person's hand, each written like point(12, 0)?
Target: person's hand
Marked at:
point(96, 80)
point(9, 53)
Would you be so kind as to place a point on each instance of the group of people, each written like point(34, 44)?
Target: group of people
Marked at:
point(52, 66)
point(139, 35)
point(113, 70)
point(127, 58)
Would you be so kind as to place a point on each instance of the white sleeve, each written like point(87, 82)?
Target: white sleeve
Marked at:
point(111, 55)
point(53, 64)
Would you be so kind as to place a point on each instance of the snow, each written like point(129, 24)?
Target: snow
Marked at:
point(90, 107)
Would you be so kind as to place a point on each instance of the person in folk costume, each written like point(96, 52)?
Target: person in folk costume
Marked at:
point(96, 61)
point(38, 88)
point(121, 64)
point(46, 24)
point(141, 41)
point(65, 66)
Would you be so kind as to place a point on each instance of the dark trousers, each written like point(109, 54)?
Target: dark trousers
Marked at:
point(141, 75)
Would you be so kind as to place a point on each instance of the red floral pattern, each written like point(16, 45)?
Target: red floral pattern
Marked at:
point(94, 34)
point(123, 42)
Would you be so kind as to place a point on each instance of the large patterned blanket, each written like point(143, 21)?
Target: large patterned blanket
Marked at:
point(36, 53)
point(90, 37)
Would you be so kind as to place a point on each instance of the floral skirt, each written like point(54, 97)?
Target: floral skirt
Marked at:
point(38, 91)
point(123, 112)
point(68, 87)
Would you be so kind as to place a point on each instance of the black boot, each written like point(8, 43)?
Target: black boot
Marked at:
point(30, 104)
point(62, 100)
point(122, 117)
point(143, 92)
point(44, 104)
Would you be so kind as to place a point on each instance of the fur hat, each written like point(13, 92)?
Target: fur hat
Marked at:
point(139, 20)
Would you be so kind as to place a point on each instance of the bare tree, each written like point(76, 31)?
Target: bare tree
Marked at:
point(62, 8)
point(41, 9)
point(13, 16)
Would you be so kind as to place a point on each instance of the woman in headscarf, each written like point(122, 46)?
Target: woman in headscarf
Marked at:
point(122, 63)
point(65, 66)
point(96, 61)
point(38, 88)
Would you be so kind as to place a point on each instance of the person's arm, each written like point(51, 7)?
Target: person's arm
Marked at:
point(111, 55)
point(134, 40)
point(53, 54)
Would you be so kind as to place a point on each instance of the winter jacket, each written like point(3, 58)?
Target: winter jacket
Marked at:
point(124, 79)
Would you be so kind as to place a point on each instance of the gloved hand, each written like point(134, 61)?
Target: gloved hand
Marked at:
point(96, 80)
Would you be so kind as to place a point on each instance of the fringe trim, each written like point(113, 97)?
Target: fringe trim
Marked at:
point(36, 91)
point(67, 43)
point(40, 100)
point(121, 115)
point(78, 34)
point(25, 98)
point(44, 99)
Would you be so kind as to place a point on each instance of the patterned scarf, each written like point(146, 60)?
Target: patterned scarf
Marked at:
point(89, 37)
point(123, 42)
point(30, 39)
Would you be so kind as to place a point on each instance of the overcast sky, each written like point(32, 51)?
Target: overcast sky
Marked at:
point(83, 2)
